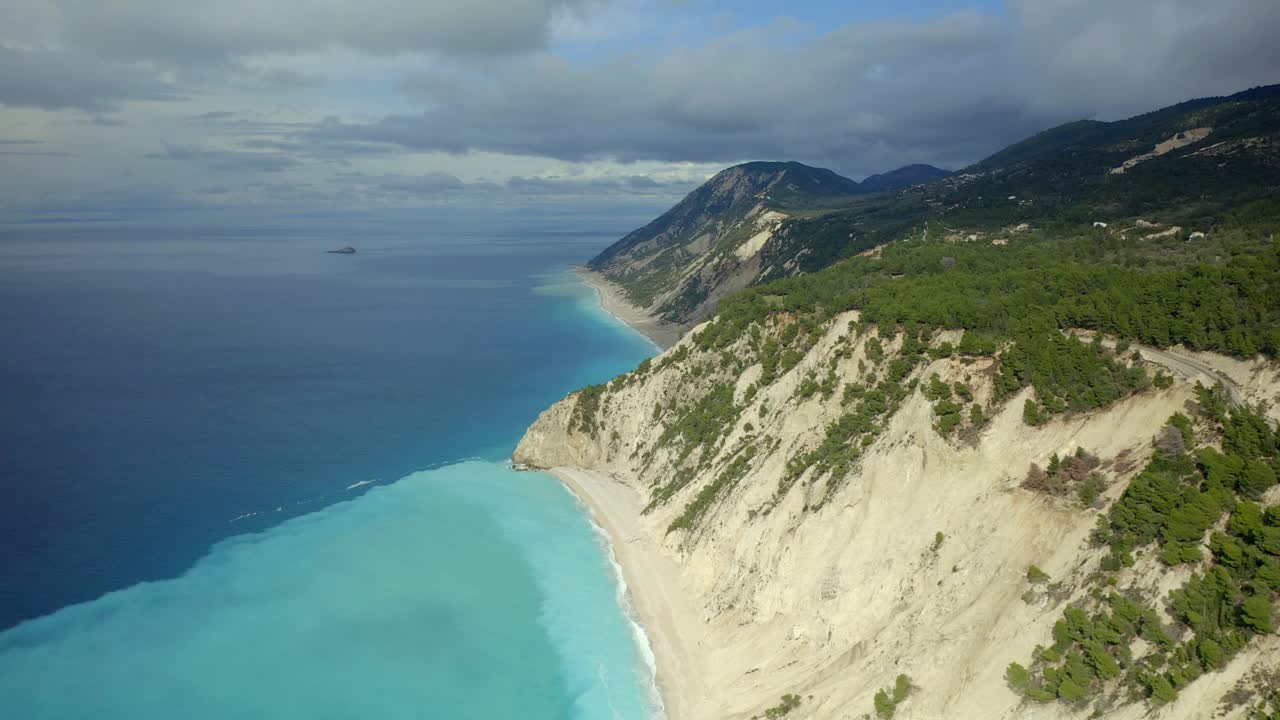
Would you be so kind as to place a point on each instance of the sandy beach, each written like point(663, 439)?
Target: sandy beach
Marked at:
point(663, 334)
point(654, 588)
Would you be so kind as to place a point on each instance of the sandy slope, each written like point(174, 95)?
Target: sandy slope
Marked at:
point(833, 604)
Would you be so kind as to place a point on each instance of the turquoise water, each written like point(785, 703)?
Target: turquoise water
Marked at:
point(233, 481)
point(425, 598)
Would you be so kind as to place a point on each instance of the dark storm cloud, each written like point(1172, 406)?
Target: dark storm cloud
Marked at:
point(863, 98)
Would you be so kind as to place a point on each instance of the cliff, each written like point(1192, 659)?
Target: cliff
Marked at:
point(1002, 445)
point(909, 555)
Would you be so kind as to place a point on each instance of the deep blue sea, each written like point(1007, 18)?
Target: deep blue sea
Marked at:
point(243, 478)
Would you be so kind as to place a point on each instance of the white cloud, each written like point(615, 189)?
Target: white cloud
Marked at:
point(564, 98)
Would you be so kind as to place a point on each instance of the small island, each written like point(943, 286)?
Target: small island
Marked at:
point(348, 250)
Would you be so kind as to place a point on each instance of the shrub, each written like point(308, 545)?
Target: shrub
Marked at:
point(1090, 489)
point(886, 701)
point(1258, 478)
point(1071, 692)
point(1017, 676)
point(1161, 690)
point(1255, 614)
point(885, 707)
point(901, 688)
point(789, 702)
point(1031, 413)
point(587, 408)
point(976, 416)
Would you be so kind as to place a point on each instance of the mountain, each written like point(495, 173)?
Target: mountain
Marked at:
point(705, 247)
point(1184, 165)
point(905, 176)
point(716, 240)
point(1003, 445)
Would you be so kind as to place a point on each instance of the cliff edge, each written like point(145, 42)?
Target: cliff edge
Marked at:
point(827, 579)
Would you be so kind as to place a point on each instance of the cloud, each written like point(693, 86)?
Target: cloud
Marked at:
point(570, 98)
point(55, 80)
point(862, 98)
point(213, 116)
point(34, 153)
point(578, 186)
point(334, 151)
point(1129, 57)
point(162, 30)
point(432, 183)
point(226, 160)
point(93, 55)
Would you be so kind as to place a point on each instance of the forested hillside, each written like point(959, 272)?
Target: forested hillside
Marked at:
point(716, 240)
point(1200, 166)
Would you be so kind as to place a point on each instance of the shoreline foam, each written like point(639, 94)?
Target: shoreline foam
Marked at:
point(644, 644)
point(660, 332)
point(652, 585)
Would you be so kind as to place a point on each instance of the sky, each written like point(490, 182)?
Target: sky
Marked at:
point(115, 106)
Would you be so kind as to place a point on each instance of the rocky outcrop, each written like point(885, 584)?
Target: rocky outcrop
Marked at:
point(1179, 140)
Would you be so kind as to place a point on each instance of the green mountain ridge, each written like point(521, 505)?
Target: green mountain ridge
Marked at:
point(680, 266)
point(684, 261)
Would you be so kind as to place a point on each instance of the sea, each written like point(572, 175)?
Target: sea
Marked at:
point(241, 477)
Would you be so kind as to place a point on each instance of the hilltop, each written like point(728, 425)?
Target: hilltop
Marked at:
point(713, 242)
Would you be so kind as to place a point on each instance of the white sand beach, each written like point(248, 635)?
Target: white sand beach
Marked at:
point(614, 302)
point(654, 587)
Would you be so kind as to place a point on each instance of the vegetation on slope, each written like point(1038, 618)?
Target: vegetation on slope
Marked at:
point(1014, 303)
point(1170, 507)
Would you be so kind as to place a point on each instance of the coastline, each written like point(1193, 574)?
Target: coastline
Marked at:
point(660, 333)
point(653, 588)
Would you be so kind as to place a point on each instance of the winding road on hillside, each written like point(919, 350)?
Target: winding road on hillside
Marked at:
point(1184, 365)
point(1192, 368)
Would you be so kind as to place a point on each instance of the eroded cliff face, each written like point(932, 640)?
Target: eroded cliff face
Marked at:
point(914, 562)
